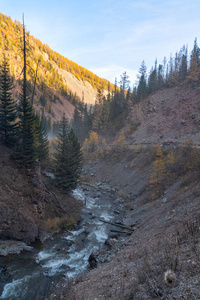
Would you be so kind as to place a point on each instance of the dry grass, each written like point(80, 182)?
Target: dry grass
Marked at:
point(56, 224)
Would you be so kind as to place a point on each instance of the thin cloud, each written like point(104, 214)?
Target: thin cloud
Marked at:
point(114, 71)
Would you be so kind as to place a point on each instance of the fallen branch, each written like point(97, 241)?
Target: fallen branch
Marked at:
point(124, 232)
point(118, 225)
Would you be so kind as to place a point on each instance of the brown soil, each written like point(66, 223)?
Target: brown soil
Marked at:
point(172, 113)
point(161, 258)
point(30, 206)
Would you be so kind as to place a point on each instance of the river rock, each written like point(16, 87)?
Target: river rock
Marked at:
point(111, 243)
point(93, 260)
point(76, 227)
point(13, 247)
point(69, 243)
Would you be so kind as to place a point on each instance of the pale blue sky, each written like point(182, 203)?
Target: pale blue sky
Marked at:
point(109, 37)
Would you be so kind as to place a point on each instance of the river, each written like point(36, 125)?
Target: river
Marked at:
point(30, 275)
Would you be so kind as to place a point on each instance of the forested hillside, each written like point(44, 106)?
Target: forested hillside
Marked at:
point(55, 83)
point(132, 143)
point(147, 147)
point(180, 72)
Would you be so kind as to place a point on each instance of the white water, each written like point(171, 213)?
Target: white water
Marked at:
point(77, 260)
point(59, 257)
point(17, 288)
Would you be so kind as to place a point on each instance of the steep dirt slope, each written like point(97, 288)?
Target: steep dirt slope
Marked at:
point(30, 206)
point(160, 259)
point(172, 113)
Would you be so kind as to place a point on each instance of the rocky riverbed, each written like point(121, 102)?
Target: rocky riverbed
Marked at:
point(79, 247)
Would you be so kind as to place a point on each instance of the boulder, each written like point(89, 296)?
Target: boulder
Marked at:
point(93, 260)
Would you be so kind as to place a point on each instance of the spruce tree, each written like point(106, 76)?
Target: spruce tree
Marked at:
point(77, 155)
point(8, 110)
point(194, 71)
point(67, 158)
point(25, 152)
point(142, 84)
point(41, 142)
point(77, 122)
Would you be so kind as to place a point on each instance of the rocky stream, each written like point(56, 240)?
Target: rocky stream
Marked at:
point(31, 274)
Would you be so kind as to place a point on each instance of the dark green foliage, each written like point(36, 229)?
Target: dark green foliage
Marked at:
point(142, 84)
point(183, 63)
point(77, 123)
point(55, 128)
point(67, 158)
point(82, 120)
point(194, 69)
point(76, 155)
point(87, 120)
point(25, 152)
point(41, 142)
point(8, 110)
point(160, 79)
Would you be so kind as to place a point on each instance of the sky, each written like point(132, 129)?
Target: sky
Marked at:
point(109, 37)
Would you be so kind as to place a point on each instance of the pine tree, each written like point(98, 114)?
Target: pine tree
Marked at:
point(183, 64)
point(41, 142)
point(98, 111)
point(76, 155)
point(153, 79)
point(124, 82)
point(142, 85)
point(8, 110)
point(87, 120)
point(77, 123)
point(194, 71)
point(67, 158)
point(25, 152)
point(160, 77)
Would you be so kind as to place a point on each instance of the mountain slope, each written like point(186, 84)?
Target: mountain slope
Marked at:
point(160, 187)
point(171, 113)
point(59, 81)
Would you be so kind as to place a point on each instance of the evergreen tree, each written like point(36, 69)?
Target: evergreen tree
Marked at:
point(160, 76)
point(142, 84)
point(87, 120)
point(124, 82)
point(98, 111)
point(183, 66)
point(152, 81)
point(67, 158)
point(41, 142)
point(25, 152)
point(194, 71)
point(172, 74)
point(77, 123)
point(76, 155)
point(8, 110)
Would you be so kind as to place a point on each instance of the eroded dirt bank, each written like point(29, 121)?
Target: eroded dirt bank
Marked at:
point(160, 259)
point(30, 206)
